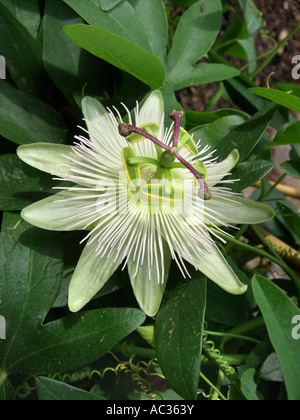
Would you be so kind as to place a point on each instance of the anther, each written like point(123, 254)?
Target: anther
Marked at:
point(176, 116)
point(126, 130)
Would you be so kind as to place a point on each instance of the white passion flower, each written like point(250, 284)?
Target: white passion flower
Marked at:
point(145, 195)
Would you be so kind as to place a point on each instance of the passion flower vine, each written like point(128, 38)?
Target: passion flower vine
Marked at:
point(146, 195)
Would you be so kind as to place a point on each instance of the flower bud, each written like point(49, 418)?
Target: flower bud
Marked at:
point(167, 159)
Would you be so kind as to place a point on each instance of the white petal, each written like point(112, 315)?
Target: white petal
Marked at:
point(237, 210)
point(47, 157)
point(91, 274)
point(220, 170)
point(214, 266)
point(153, 109)
point(67, 210)
point(149, 277)
point(94, 112)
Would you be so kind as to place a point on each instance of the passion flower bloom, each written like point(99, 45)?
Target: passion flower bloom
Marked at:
point(145, 195)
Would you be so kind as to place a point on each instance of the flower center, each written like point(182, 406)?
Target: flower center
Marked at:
point(167, 154)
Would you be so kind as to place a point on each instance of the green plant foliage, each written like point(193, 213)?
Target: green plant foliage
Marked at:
point(172, 305)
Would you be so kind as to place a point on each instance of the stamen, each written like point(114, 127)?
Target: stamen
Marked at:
point(126, 130)
point(176, 116)
point(204, 191)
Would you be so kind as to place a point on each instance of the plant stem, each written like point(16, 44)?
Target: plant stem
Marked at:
point(263, 189)
point(244, 328)
point(233, 335)
point(129, 350)
point(215, 98)
point(273, 256)
point(216, 390)
point(267, 193)
point(274, 52)
point(237, 236)
point(277, 257)
point(214, 356)
point(218, 385)
point(246, 246)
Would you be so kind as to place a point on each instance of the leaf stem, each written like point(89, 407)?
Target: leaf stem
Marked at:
point(267, 193)
point(274, 52)
point(232, 335)
point(277, 257)
point(272, 256)
point(244, 328)
point(129, 350)
point(215, 98)
point(216, 390)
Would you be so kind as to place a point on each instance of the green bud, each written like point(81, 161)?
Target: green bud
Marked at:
point(167, 159)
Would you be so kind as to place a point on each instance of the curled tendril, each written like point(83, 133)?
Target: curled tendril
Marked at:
point(215, 354)
point(136, 372)
point(23, 391)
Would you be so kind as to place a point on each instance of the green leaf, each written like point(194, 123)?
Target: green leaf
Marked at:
point(119, 52)
point(253, 17)
point(13, 169)
point(195, 35)
point(124, 20)
point(291, 220)
point(28, 16)
point(178, 336)
point(246, 136)
point(204, 73)
point(154, 19)
point(195, 119)
point(50, 390)
point(249, 173)
point(109, 4)
point(71, 68)
point(183, 3)
point(295, 152)
point(17, 194)
point(238, 40)
point(288, 134)
point(92, 13)
point(7, 392)
point(289, 87)
point(170, 101)
point(25, 119)
point(292, 168)
point(249, 383)
point(239, 92)
point(21, 185)
point(84, 337)
point(212, 133)
point(148, 334)
point(279, 312)
point(30, 277)
point(22, 52)
point(282, 98)
point(271, 369)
